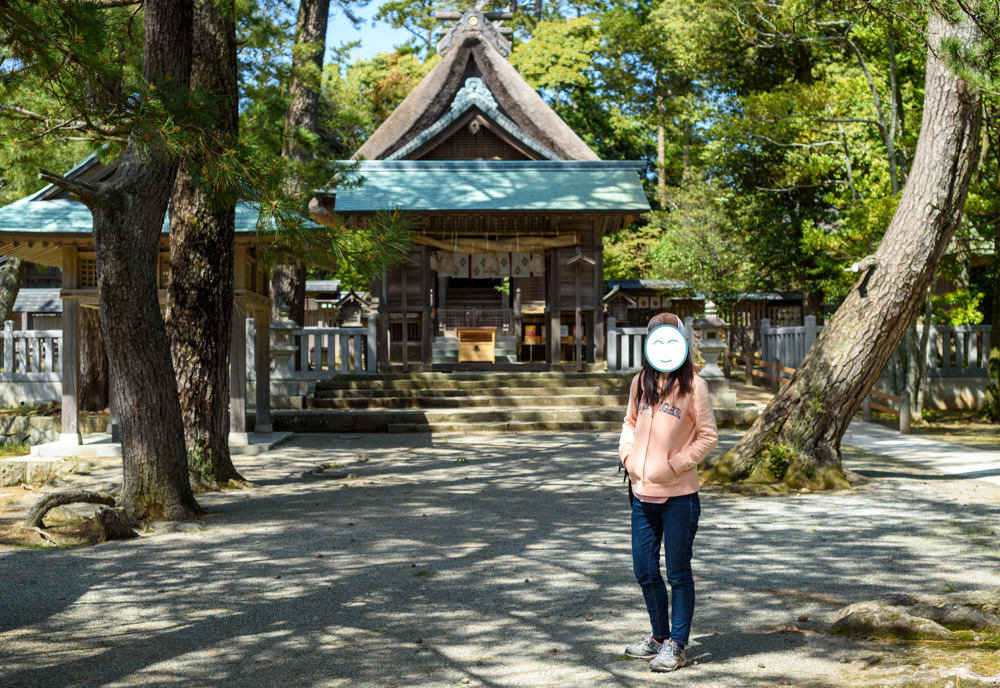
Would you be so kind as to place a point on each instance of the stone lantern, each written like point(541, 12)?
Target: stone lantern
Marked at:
point(283, 381)
point(711, 327)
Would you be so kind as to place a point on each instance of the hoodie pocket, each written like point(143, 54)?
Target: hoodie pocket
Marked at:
point(658, 468)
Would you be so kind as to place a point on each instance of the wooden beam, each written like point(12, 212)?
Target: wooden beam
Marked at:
point(238, 355)
point(426, 326)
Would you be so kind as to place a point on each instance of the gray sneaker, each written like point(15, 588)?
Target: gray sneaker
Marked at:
point(670, 657)
point(647, 649)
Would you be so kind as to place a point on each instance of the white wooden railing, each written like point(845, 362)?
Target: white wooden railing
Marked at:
point(624, 345)
point(329, 351)
point(788, 344)
point(958, 351)
point(952, 351)
point(30, 355)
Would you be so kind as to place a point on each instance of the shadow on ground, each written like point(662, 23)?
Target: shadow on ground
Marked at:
point(424, 571)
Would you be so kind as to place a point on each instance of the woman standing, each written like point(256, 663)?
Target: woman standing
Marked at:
point(669, 428)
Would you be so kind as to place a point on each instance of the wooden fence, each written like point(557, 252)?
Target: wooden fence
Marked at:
point(777, 374)
point(624, 345)
point(30, 355)
point(328, 351)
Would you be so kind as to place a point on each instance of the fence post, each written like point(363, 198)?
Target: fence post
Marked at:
point(748, 365)
point(612, 346)
point(8, 347)
point(810, 332)
point(765, 329)
point(775, 380)
point(370, 350)
point(726, 365)
point(866, 409)
point(904, 413)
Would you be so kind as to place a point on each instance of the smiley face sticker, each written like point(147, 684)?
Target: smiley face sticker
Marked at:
point(666, 348)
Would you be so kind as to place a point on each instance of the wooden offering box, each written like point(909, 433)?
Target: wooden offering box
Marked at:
point(477, 344)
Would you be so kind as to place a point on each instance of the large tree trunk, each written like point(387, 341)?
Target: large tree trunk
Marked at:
point(992, 405)
point(10, 285)
point(128, 212)
point(797, 438)
point(288, 281)
point(93, 386)
point(202, 232)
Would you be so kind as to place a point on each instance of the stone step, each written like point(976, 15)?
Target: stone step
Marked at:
point(485, 381)
point(474, 420)
point(493, 392)
point(465, 402)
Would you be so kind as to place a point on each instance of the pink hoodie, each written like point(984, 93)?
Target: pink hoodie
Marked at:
point(662, 447)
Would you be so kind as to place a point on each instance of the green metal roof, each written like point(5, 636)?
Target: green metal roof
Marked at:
point(490, 186)
point(59, 216)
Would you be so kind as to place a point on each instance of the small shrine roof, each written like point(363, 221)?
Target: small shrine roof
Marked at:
point(492, 185)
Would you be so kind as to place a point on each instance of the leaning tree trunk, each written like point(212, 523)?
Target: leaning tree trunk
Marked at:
point(202, 232)
point(797, 438)
point(93, 385)
point(288, 284)
point(128, 212)
point(10, 285)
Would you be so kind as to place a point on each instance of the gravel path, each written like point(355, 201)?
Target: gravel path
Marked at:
point(455, 560)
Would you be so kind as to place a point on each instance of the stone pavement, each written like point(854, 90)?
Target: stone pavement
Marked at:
point(483, 560)
point(948, 457)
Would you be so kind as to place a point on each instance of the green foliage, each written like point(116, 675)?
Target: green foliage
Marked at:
point(775, 459)
point(959, 307)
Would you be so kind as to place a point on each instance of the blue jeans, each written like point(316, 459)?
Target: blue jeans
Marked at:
point(675, 523)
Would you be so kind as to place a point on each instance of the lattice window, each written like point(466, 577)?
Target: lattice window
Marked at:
point(466, 145)
point(261, 281)
point(532, 289)
point(87, 270)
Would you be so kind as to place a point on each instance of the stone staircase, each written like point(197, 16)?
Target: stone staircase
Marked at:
point(445, 350)
point(472, 402)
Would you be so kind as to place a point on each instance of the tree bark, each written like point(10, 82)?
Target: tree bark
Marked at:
point(10, 285)
point(797, 439)
point(992, 403)
point(202, 234)
point(93, 387)
point(128, 212)
point(288, 281)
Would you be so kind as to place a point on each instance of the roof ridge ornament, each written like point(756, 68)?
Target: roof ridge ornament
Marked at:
point(474, 90)
point(488, 24)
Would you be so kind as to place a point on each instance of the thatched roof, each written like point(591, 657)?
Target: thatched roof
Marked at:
point(431, 100)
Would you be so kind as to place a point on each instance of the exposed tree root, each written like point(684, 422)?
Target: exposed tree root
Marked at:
point(54, 499)
point(777, 469)
point(201, 483)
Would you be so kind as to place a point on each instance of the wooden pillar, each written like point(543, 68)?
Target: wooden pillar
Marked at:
point(262, 366)
point(69, 354)
point(238, 355)
point(426, 326)
point(382, 348)
point(553, 326)
point(599, 343)
point(403, 269)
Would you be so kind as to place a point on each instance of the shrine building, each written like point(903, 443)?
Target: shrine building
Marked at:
point(510, 205)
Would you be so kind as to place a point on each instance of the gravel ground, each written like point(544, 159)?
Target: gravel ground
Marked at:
point(484, 560)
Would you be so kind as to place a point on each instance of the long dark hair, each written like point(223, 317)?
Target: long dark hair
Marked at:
point(649, 381)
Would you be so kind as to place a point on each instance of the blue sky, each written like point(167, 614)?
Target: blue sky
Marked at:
point(374, 39)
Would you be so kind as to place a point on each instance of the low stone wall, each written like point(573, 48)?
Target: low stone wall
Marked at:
point(31, 430)
point(14, 394)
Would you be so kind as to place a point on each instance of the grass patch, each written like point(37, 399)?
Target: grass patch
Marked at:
point(461, 460)
point(421, 574)
point(626, 658)
point(12, 450)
